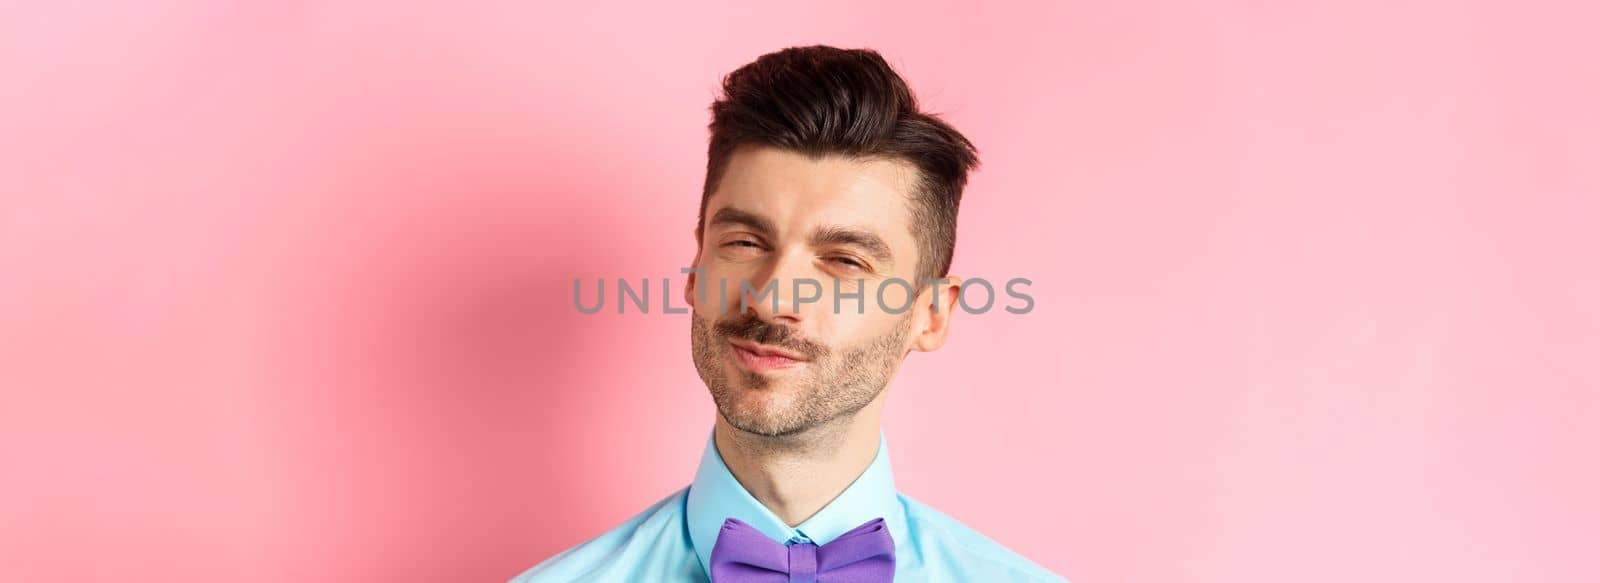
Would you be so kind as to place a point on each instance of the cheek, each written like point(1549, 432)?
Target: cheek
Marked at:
point(723, 274)
point(713, 285)
point(859, 311)
point(847, 329)
point(889, 298)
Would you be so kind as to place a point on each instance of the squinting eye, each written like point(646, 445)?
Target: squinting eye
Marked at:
point(741, 244)
point(848, 262)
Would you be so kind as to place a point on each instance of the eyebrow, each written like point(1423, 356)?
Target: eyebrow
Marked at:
point(861, 238)
point(732, 216)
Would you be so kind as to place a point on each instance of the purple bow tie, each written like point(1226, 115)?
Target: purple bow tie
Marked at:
point(744, 555)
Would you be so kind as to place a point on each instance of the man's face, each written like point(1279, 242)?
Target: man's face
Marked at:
point(782, 216)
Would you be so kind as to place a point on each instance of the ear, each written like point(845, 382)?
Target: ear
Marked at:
point(935, 306)
point(689, 294)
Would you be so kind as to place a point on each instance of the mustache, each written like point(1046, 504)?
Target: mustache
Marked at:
point(755, 330)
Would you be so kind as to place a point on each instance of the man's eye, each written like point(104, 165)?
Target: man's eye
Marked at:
point(741, 244)
point(847, 262)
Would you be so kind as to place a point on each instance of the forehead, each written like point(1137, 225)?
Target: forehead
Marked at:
point(798, 192)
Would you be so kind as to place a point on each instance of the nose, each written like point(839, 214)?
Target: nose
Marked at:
point(774, 290)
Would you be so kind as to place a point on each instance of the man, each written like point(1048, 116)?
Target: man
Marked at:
point(829, 212)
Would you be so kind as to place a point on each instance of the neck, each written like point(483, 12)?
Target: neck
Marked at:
point(795, 476)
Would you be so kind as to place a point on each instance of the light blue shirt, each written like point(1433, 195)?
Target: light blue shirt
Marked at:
point(671, 540)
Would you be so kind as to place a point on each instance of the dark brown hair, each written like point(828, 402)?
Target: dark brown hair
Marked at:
point(821, 100)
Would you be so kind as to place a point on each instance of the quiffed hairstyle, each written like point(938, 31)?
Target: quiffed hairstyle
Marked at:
point(820, 101)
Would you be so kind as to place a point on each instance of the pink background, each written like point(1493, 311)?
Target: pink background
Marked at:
point(286, 286)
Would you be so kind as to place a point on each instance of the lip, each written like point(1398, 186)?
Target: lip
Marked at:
point(762, 358)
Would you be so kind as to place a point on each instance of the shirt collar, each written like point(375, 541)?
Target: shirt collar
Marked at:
point(716, 496)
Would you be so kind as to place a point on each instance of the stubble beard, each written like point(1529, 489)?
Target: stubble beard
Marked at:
point(837, 384)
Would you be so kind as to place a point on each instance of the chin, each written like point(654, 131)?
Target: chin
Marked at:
point(763, 400)
point(762, 406)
